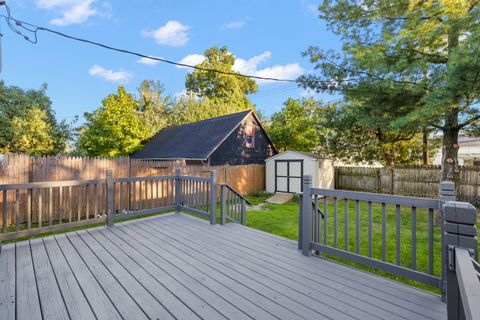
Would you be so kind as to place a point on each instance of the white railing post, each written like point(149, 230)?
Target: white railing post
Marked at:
point(307, 215)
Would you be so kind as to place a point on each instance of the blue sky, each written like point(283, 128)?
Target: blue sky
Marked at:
point(267, 38)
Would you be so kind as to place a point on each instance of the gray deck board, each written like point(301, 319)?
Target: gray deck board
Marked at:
point(382, 288)
point(98, 300)
point(117, 294)
point(28, 304)
point(51, 299)
point(253, 247)
point(176, 266)
point(326, 291)
point(76, 303)
point(139, 294)
point(7, 282)
point(329, 307)
point(386, 286)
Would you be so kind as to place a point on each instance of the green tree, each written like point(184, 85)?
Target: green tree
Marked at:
point(32, 133)
point(153, 106)
point(427, 50)
point(113, 129)
point(296, 126)
point(17, 104)
point(214, 93)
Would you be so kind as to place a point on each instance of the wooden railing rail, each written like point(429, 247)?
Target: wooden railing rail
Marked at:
point(232, 205)
point(354, 227)
point(31, 208)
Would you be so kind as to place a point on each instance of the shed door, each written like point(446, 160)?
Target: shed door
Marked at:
point(288, 176)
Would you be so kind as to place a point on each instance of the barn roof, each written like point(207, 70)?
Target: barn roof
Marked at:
point(194, 141)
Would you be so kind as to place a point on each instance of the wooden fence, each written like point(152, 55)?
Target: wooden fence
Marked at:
point(419, 181)
point(21, 169)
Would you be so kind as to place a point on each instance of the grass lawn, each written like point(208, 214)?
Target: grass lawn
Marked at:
point(282, 220)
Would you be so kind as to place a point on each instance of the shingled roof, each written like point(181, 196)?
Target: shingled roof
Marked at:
point(195, 141)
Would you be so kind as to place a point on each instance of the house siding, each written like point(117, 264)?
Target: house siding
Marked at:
point(234, 152)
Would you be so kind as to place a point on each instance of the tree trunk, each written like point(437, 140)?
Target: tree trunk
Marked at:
point(450, 146)
point(425, 146)
point(450, 129)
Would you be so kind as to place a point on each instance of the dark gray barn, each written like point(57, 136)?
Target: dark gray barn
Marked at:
point(233, 139)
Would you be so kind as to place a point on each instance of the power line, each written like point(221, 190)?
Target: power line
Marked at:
point(34, 30)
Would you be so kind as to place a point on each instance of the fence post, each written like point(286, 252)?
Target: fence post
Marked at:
point(213, 197)
point(300, 220)
point(307, 215)
point(177, 190)
point(460, 231)
point(110, 197)
point(223, 205)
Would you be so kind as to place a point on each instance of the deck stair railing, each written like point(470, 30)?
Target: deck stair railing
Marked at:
point(232, 205)
point(432, 241)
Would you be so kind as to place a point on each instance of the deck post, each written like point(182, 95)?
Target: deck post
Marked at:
point(243, 218)
point(300, 220)
point(459, 219)
point(446, 193)
point(307, 215)
point(213, 197)
point(223, 205)
point(110, 197)
point(177, 190)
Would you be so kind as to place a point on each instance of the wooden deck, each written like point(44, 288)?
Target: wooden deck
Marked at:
point(179, 267)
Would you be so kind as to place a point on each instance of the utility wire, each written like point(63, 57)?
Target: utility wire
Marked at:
point(34, 29)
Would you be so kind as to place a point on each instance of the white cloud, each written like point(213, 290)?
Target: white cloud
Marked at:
point(313, 8)
point(74, 11)
point(250, 67)
point(173, 33)
point(235, 24)
point(149, 62)
point(192, 59)
point(109, 75)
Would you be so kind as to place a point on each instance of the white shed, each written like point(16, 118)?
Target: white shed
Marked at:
point(284, 171)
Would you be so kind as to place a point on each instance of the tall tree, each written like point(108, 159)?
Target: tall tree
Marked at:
point(426, 49)
point(32, 133)
point(216, 93)
point(19, 105)
point(113, 129)
point(296, 126)
point(153, 106)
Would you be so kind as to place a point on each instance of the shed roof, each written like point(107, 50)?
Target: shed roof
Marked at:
point(195, 141)
point(310, 155)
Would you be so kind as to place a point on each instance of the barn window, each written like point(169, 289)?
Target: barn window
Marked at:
point(249, 135)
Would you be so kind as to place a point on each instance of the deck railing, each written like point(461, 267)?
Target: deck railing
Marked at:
point(233, 205)
point(39, 207)
point(415, 238)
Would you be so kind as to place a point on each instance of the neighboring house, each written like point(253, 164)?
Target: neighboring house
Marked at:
point(233, 139)
point(468, 152)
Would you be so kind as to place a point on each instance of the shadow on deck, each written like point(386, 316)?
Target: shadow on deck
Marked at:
point(176, 266)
